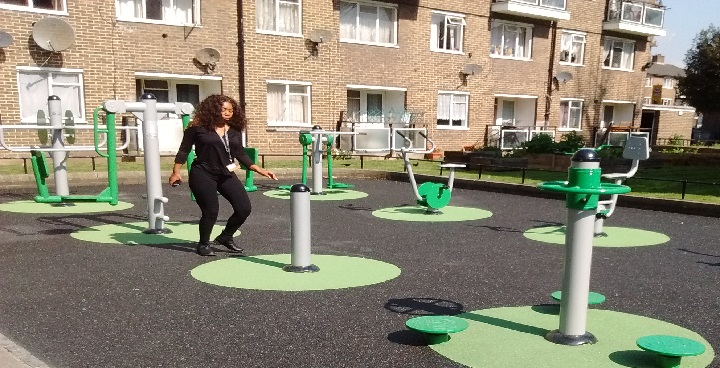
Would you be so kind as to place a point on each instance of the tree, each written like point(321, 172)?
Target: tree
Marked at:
point(701, 84)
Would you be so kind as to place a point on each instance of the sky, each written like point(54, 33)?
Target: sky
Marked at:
point(684, 19)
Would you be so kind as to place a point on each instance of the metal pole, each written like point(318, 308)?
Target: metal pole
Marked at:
point(317, 170)
point(58, 157)
point(151, 155)
point(300, 230)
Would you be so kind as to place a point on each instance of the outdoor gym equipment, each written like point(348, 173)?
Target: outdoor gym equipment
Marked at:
point(636, 149)
point(316, 136)
point(149, 107)
point(582, 190)
point(300, 230)
point(433, 196)
point(58, 133)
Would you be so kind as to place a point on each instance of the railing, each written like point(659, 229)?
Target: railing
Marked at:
point(379, 130)
point(636, 12)
point(508, 137)
point(555, 4)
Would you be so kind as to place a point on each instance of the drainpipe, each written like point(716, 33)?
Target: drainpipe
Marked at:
point(241, 54)
point(548, 96)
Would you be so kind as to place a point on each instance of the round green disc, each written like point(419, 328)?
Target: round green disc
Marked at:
point(132, 234)
point(419, 213)
point(329, 194)
point(49, 208)
point(673, 346)
point(593, 297)
point(265, 272)
point(512, 337)
point(616, 236)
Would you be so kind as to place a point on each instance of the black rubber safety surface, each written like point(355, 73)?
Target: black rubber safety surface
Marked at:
point(79, 304)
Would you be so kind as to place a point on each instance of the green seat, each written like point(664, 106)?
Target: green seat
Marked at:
point(437, 329)
point(670, 349)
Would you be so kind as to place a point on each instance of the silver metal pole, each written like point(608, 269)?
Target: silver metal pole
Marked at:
point(317, 170)
point(300, 230)
point(58, 154)
point(151, 155)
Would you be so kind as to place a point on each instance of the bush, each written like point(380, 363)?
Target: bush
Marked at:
point(676, 140)
point(541, 143)
point(570, 142)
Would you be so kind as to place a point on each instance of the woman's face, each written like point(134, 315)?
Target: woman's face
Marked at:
point(227, 111)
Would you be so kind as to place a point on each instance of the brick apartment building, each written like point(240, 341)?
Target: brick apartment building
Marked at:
point(466, 72)
point(665, 114)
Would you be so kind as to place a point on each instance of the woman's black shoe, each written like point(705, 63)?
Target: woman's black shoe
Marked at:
point(228, 242)
point(204, 250)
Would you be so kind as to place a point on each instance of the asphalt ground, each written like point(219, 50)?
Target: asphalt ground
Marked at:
point(73, 303)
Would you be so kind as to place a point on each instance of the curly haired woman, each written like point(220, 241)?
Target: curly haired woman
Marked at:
point(216, 133)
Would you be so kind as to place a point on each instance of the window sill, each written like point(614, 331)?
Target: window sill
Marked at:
point(280, 124)
point(618, 69)
point(389, 45)
point(452, 52)
point(492, 56)
point(569, 63)
point(569, 129)
point(159, 22)
point(276, 33)
point(445, 127)
point(33, 10)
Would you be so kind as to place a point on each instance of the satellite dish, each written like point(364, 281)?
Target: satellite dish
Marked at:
point(53, 34)
point(5, 39)
point(207, 56)
point(471, 69)
point(563, 77)
point(320, 36)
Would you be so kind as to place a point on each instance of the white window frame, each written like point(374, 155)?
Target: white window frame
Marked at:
point(567, 47)
point(456, 98)
point(32, 119)
point(564, 125)
point(449, 20)
point(31, 8)
point(668, 83)
point(647, 101)
point(194, 12)
point(285, 122)
point(356, 37)
point(609, 53)
point(502, 25)
point(276, 15)
point(648, 81)
point(667, 101)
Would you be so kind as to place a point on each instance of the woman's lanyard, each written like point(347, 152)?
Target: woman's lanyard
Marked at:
point(226, 142)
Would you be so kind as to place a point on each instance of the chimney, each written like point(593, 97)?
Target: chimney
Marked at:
point(659, 59)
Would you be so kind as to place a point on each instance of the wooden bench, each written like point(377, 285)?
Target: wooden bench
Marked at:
point(437, 329)
point(670, 349)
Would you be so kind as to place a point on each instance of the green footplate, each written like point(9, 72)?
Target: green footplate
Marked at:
point(593, 297)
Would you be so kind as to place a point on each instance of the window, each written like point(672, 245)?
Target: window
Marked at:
point(571, 114)
point(668, 83)
point(647, 101)
point(368, 23)
point(160, 11)
point(452, 110)
point(667, 101)
point(510, 40)
point(619, 54)
point(37, 84)
point(446, 32)
point(648, 82)
point(39, 5)
point(572, 48)
point(288, 103)
point(281, 16)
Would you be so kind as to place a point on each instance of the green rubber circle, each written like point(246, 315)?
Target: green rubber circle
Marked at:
point(132, 234)
point(49, 208)
point(673, 346)
point(437, 324)
point(419, 213)
point(330, 195)
point(511, 337)
point(593, 297)
point(617, 237)
point(265, 272)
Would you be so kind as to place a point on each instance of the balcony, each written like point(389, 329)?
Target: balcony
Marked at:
point(537, 9)
point(635, 17)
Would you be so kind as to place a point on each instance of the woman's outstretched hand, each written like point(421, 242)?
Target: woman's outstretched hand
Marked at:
point(268, 173)
point(175, 178)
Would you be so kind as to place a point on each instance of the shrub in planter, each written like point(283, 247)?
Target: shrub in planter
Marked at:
point(570, 143)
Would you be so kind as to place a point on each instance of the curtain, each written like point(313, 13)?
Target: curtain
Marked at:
point(564, 114)
point(606, 53)
point(628, 50)
point(443, 108)
point(368, 23)
point(348, 20)
point(275, 103)
point(297, 104)
point(496, 40)
point(129, 9)
point(575, 110)
point(33, 94)
point(265, 17)
point(288, 17)
point(458, 117)
point(386, 33)
point(69, 94)
point(183, 11)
